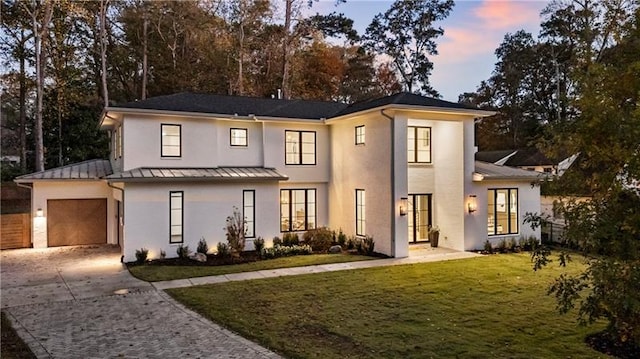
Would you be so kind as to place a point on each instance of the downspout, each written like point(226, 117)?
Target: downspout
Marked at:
point(122, 214)
point(393, 183)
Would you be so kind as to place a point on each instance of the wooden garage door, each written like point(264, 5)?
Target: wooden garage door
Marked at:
point(76, 221)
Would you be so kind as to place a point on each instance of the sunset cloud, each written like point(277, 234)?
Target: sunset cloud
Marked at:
point(501, 15)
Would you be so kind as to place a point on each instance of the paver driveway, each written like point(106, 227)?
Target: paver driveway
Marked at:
point(62, 303)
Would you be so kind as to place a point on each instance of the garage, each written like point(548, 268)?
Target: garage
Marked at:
point(73, 222)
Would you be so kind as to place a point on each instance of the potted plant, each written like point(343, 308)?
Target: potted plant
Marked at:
point(434, 235)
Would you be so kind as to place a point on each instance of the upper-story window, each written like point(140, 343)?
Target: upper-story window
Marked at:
point(171, 140)
point(238, 137)
point(419, 144)
point(360, 135)
point(300, 147)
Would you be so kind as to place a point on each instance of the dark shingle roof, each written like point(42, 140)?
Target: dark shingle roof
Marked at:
point(302, 109)
point(493, 156)
point(214, 174)
point(491, 171)
point(87, 170)
point(529, 157)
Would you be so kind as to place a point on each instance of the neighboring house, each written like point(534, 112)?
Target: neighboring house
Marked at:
point(527, 159)
point(386, 168)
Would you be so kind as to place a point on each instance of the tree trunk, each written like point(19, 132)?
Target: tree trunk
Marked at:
point(41, 33)
point(286, 44)
point(145, 37)
point(103, 49)
point(22, 133)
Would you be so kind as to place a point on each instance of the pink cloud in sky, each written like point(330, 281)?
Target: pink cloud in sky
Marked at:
point(508, 14)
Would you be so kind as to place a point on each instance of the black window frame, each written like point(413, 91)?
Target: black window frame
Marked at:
point(300, 153)
point(306, 209)
point(246, 136)
point(508, 208)
point(363, 212)
point(253, 212)
point(415, 144)
point(360, 137)
point(162, 125)
point(171, 193)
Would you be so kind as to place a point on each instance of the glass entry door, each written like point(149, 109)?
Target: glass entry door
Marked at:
point(419, 217)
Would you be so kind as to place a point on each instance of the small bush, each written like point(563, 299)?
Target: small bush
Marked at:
point(236, 229)
point(365, 246)
point(529, 244)
point(285, 251)
point(511, 244)
point(277, 241)
point(183, 251)
point(203, 247)
point(258, 245)
point(488, 248)
point(290, 239)
point(141, 255)
point(163, 254)
point(223, 250)
point(502, 246)
point(320, 239)
point(351, 242)
point(342, 239)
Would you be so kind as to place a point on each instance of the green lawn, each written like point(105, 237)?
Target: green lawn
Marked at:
point(154, 273)
point(487, 307)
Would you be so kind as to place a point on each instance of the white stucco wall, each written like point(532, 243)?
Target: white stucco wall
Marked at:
point(46, 190)
point(476, 223)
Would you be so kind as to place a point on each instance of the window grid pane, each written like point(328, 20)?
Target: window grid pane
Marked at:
point(300, 147)
point(502, 211)
point(360, 133)
point(297, 209)
point(360, 212)
point(171, 139)
point(248, 209)
point(239, 137)
point(176, 217)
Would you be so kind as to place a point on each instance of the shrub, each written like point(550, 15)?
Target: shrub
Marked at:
point(284, 251)
point(236, 230)
point(183, 251)
point(277, 241)
point(488, 248)
point(528, 244)
point(511, 245)
point(502, 246)
point(366, 246)
point(290, 239)
point(163, 254)
point(202, 246)
point(141, 255)
point(342, 238)
point(258, 245)
point(223, 250)
point(320, 239)
point(351, 242)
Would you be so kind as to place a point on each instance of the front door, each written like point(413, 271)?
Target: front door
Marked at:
point(419, 217)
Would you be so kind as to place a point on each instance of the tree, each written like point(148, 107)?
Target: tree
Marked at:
point(406, 33)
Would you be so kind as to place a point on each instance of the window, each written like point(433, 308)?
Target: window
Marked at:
point(238, 137)
point(419, 144)
point(360, 213)
point(300, 147)
point(297, 209)
point(502, 213)
point(360, 135)
point(176, 216)
point(249, 212)
point(171, 140)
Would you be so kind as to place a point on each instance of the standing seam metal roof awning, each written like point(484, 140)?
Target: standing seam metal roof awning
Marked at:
point(87, 170)
point(490, 171)
point(221, 174)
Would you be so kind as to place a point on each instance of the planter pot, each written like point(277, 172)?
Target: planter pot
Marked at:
point(433, 238)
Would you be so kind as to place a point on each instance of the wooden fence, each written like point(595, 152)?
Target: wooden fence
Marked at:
point(15, 231)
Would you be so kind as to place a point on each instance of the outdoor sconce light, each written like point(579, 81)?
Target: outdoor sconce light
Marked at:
point(404, 204)
point(472, 205)
point(39, 212)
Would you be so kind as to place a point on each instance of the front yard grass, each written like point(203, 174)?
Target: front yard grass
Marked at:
point(487, 307)
point(154, 273)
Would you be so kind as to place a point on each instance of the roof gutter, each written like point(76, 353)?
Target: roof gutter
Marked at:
point(431, 109)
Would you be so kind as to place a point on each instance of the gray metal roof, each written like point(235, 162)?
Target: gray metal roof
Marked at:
point(221, 174)
point(490, 171)
point(87, 170)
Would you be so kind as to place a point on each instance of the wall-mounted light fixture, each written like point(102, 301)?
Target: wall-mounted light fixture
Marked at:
point(39, 212)
point(472, 203)
point(404, 205)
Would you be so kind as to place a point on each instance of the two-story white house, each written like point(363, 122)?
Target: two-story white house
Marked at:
point(386, 168)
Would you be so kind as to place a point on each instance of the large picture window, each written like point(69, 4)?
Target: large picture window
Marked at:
point(419, 144)
point(360, 212)
point(238, 137)
point(171, 140)
point(176, 216)
point(297, 210)
point(249, 212)
point(300, 147)
point(502, 211)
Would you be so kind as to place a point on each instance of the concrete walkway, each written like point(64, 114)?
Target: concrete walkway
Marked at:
point(418, 254)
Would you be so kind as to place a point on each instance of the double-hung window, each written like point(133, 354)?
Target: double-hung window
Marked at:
point(300, 147)
point(419, 144)
point(360, 213)
point(176, 216)
point(297, 210)
point(249, 212)
point(171, 140)
point(238, 137)
point(502, 211)
point(360, 135)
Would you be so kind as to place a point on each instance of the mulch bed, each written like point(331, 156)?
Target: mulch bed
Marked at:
point(212, 260)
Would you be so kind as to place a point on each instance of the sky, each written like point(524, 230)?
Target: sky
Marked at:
point(472, 32)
